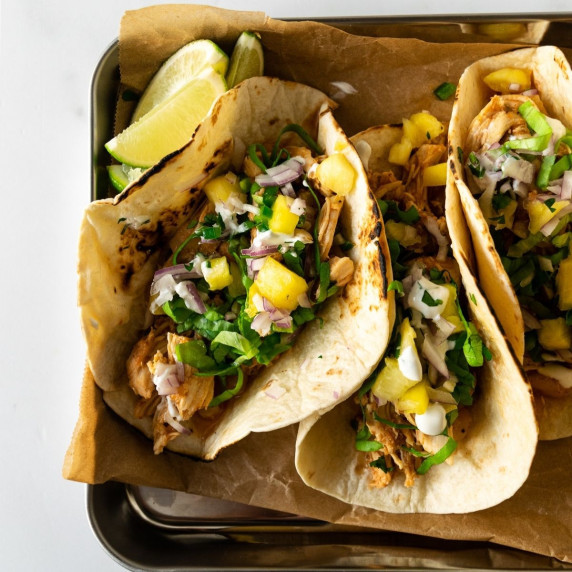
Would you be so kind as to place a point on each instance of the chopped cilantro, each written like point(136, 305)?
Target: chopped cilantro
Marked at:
point(428, 300)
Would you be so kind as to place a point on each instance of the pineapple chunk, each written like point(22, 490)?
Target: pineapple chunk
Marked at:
point(250, 308)
point(450, 312)
point(428, 124)
point(435, 175)
point(509, 80)
point(413, 134)
point(414, 400)
point(236, 287)
point(219, 189)
point(404, 233)
point(555, 334)
point(400, 152)
point(283, 220)
point(337, 174)
point(540, 214)
point(390, 383)
point(217, 273)
point(279, 285)
point(564, 284)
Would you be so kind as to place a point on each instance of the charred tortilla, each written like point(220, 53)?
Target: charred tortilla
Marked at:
point(509, 153)
point(123, 242)
point(493, 451)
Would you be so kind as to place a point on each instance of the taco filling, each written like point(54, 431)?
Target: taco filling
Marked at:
point(416, 407)
point(240, 281)
point(518, 162)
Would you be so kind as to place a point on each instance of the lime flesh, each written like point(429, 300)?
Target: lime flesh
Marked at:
point(181, 68)
point(247, 59)
point(169, 125)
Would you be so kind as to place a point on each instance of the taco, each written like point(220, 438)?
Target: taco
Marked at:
point(240, 284)
point(445, 424)
point(511, 155)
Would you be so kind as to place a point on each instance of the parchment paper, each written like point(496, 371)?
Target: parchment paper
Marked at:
point(394, 77)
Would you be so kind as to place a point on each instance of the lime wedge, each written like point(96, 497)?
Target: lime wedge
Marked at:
point(183, 66)
point(122, 175)
point(169, 125)
point(247, 59)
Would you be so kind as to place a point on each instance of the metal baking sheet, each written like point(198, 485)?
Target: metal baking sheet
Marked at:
point(151, 529)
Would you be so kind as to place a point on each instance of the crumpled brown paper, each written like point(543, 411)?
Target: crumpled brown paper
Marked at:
point(394, 77)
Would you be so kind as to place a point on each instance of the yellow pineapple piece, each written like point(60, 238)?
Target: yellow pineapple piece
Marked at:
point(220, 188)
point(250, 308)
point(435, 175)
point(564, 284)
point(337, 174)
point(427, 124)
point(540, 214)
point(555, 334)
point(400, 152)
point(415, 399)
point(509, 80)
point(279, 285)
point(217, 273)
point(283, 219)
point(390, 383)
point(236, 287)
point(450, 312)
point(413, 134)
point(404, 233)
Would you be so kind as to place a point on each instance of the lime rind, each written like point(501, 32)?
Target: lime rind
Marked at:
point(183, 66)
point(247, 59)
point(169, 125)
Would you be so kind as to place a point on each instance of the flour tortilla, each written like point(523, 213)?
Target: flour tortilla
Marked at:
point(553, 79)
point(326, 363)
point(491, 462)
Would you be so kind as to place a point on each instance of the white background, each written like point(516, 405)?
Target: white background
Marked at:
point(48, 51)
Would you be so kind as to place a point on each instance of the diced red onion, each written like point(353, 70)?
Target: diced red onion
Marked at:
point(551, 225)
point(431, 352)
point(262, 323)
point(253, 266)
point(282, 174)
point(445, 328)
point(298, 207)
point(275, 392)
point(166, 379)
point(514, 87)
point(530, 92)
point(180, 371)
point(178, 272)
point(255, 251)
point(284, 323)
point(175, 424)
point(520, 188)
point(288, 190)
point(191, 296)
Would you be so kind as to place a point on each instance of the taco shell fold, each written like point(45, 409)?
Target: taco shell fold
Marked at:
point(552, 78)
point(326, 363)
point(491, 462)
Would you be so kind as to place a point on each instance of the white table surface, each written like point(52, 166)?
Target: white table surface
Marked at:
point(48, 51)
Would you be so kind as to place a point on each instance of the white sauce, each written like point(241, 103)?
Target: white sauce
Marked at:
point(409, 363)
point(433, 421)
point(437, 292)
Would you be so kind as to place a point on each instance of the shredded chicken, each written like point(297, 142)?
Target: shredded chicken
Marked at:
point(139, 375)
point(498, 119)
point(304, 153)
point(162, 431)
point(341, 270)
point(196, 392)
point(327, 223)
